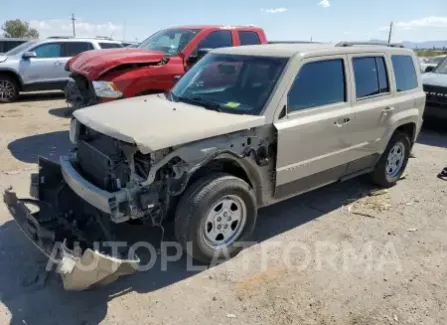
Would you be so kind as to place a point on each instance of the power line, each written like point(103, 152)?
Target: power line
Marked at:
point(74, 24)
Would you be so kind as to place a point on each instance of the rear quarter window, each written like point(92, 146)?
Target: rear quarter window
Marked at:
point(404, 72)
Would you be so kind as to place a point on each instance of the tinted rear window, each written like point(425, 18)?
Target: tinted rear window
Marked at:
point(110, 45)
point(404, 72)
point(317, 84)
point(74, 48)
point(249, 38)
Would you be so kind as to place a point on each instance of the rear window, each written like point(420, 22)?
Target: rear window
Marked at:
point(370, 76)
point(74, 48)
point(110, 45)
point(249, 38)
point(405, 73)
point(317, 84)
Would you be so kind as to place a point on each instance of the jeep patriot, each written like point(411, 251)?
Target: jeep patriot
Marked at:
point(274, 121)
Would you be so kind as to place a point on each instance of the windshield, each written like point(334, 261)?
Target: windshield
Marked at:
point(170, 41)
point(20, 48)
point(236, 84)
point(442, 67)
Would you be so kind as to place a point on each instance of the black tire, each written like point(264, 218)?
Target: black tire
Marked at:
point(379, 175)
point(9, 89)
point(194, 206)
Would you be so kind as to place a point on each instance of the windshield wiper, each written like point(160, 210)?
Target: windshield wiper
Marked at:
point(200, 102)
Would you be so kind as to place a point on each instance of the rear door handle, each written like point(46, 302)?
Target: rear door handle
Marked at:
point(342, 122)
point(388, 109)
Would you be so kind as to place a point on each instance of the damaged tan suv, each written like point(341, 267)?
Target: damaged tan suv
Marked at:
point(246, 127)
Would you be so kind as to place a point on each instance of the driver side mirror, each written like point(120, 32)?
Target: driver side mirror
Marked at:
point(430, 68)
point(29, 55)
point(197, 54)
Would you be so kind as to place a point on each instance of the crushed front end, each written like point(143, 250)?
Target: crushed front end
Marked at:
point(100, 184)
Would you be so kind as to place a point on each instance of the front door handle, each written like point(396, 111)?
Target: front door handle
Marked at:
point(58, 63)
point(342, 122)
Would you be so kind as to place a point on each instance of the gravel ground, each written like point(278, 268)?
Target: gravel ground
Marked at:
point(334, 256)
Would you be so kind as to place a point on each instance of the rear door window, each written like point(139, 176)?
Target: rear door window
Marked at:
point(318, 83)
point(221, 38)
point(370, 76)
point(249, 38)
point(74, 48)
point(110, 45)
point(405, 73)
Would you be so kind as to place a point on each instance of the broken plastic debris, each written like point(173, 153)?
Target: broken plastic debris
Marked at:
point(77, 275)
point(379, 192)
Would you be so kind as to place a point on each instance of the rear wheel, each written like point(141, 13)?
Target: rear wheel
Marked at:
point(9, 89)
point(393, 162)
point(213, 216)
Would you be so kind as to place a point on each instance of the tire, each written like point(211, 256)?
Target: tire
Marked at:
point(9, 89)
point(200, 203)
point(386, 175)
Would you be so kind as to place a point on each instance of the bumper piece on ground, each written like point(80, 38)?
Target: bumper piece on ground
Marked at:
point(59, 238)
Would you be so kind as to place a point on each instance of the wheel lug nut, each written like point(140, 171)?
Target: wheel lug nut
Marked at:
point(229, 218)
point(219, 218)
point(225, 214)
point(219, 226)
point(226, 226)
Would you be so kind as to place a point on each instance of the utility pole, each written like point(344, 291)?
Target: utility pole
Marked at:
point(391, 32)
point(311, 38)
point(74, 25)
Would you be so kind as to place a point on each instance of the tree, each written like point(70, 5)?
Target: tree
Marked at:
point(19, 29)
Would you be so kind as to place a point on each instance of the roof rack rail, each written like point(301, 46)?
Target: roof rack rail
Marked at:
point(55, 37)
point(345, 44)
point(292, 42)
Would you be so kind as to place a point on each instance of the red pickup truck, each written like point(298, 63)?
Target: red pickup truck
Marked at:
point(153, 66)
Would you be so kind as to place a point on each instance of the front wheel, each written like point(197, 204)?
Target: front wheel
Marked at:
point(9, 89)
point(393, 161)
point(214, 217)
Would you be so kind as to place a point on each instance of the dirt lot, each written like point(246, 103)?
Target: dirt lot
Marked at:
point(333, 256)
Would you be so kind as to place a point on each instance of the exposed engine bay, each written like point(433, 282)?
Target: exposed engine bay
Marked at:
point(144, 184)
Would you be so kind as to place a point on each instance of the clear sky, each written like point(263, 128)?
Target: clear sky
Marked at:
point(324, 20)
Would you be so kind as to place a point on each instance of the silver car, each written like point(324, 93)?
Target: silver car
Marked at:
point(40, 64)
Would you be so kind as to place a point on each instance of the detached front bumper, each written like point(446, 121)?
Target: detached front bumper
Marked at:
point(77, 259)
